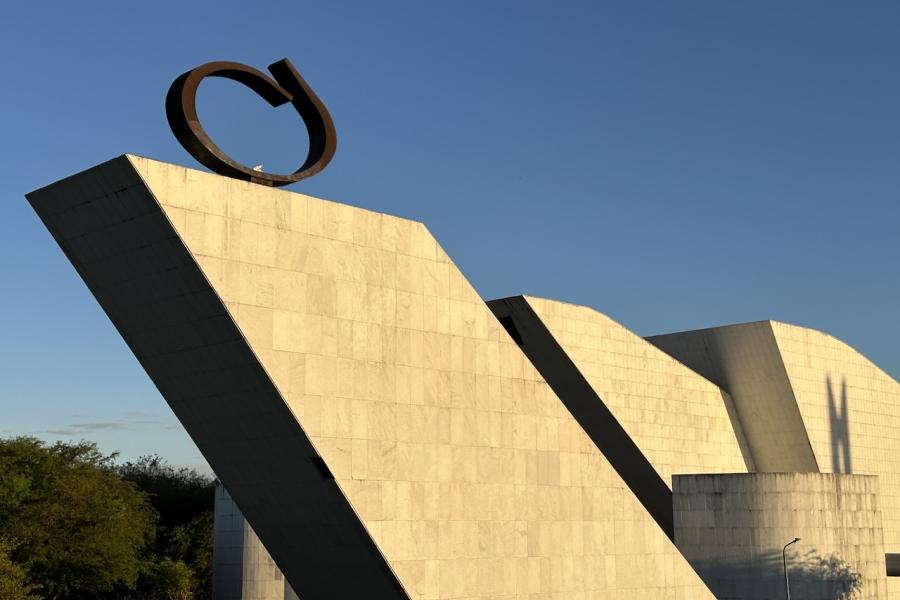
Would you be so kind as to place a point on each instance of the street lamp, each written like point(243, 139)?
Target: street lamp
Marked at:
point(787, 587)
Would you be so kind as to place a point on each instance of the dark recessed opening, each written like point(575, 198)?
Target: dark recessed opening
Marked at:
point(510, 327)
point(322, 467)
point(892, 562)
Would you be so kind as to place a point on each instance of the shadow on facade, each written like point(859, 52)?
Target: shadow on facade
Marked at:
point(839, 423)
point(811, 575)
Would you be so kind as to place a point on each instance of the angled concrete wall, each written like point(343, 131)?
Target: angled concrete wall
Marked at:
point(591, 413)
point(732, 528)
point(117, 235)
point(679, 419)
point(744, 360)
point(282, 328)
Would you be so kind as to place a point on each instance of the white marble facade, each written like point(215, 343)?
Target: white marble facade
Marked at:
point(389, 438)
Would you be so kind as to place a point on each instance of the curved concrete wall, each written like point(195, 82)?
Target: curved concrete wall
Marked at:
point(732, 529)
point(744, 361)
point(678, 418)
point(851, 410)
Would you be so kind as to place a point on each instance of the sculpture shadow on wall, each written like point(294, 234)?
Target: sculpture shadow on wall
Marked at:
point(812, 576)
point(839, 423)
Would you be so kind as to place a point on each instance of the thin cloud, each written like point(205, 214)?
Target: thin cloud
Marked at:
point(88, 427)
point(132, 421)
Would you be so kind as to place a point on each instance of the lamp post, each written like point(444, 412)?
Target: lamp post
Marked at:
point(787, 587)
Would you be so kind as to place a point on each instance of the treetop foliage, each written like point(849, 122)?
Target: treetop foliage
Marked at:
point(77, 525)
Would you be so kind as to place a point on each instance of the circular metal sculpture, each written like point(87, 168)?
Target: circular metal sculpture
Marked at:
point(288, 86)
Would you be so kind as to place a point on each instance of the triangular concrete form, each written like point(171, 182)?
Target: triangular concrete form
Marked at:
point(376, 425)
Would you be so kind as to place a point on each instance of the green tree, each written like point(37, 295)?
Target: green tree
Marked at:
point(177, 494)
point(192, 543)
point(184, 500)
point(81, 529)
point(168, 580)
point(13, 577)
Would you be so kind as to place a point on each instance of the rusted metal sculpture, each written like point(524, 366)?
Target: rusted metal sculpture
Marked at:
point(288, 86)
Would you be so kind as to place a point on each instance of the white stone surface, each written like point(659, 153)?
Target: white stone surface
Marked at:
point(744, 360)
point(807, 401)
point(283, 328)
point(851, 410)
point(280, 327)
point(677, 418)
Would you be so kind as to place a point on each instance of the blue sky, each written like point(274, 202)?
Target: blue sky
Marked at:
point(674, 165)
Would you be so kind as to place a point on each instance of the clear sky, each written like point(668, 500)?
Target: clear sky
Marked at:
point(675, 165)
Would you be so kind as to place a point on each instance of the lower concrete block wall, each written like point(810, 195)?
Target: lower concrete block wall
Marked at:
point(242, 567)
point(732, 529)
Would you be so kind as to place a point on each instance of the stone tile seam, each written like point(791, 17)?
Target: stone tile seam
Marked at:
point(441, 257)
